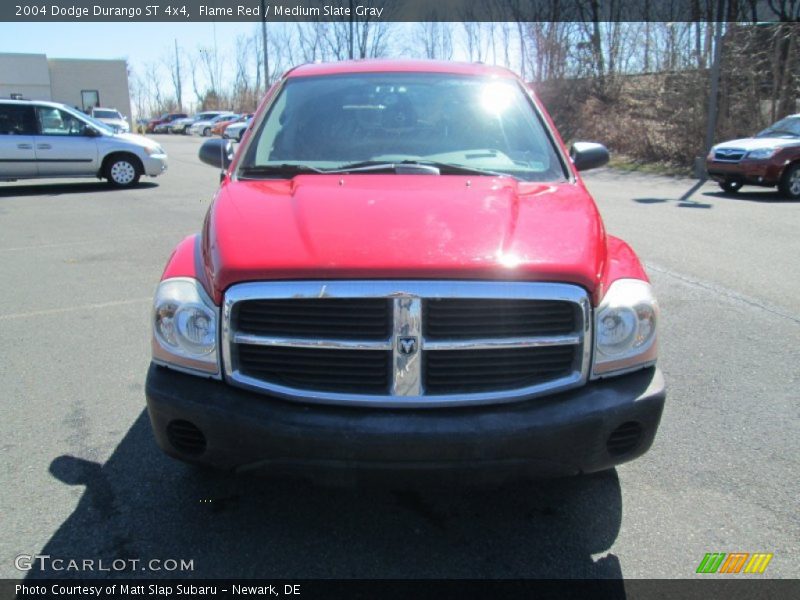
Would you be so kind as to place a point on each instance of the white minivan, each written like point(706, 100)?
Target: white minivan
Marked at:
point(48, 139)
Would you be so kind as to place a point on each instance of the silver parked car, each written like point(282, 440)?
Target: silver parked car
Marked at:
point(48, 139)
point(112, 118)
point(205, 126)
point(235, 131)
point(182, 125)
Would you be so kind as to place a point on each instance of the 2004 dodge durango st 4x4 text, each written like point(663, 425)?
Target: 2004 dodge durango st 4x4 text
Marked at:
point(402, 271)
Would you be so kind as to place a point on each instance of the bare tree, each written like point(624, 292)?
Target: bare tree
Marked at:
point(435, 38)
point(172, 62)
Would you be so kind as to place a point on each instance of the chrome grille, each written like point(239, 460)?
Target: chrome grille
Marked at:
point(406, 343)
point(729, 154)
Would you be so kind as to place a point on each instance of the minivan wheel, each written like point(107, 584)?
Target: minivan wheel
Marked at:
point(731, 185)
point(790, 183)
point(122, 171)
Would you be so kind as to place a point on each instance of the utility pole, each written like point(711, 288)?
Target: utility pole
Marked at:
point(178, 87)
point(350, 41)
point(714, 92)
point(264, 44)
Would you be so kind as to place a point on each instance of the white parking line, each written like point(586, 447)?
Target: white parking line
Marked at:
point(56, 311)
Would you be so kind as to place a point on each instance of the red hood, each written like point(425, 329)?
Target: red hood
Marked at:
point(402, 226)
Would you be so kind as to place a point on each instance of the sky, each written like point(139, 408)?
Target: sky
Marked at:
point(138, 42)
point(142, 44)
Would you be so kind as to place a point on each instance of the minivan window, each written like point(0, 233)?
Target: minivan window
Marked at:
point(17, 119)
point(331, 122)
point(54, 121)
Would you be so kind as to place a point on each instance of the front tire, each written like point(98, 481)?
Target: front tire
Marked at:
point(789, 186)
point(731, 185)
point(122, 171)
point(207, 132)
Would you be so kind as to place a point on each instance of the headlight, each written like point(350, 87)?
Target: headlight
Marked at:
point(762, 153)
point(625, 328)
point(154, 150)
point(185, 326)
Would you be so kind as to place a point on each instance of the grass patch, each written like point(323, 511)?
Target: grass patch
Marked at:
point(624, 163)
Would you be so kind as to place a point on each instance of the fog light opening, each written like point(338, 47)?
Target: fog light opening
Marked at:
point(625, 438)
point(186, 437)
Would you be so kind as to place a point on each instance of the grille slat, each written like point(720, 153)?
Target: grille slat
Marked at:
point(339, 318)
point(465, 318)
point(353, 371)
point(470, 371)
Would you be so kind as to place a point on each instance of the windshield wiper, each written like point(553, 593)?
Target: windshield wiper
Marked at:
point(281, 170)
point(410, 167)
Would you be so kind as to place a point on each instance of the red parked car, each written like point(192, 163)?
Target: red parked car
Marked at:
point(163, 120)
point(402, 271)
point(219, 128)
point(770, 158)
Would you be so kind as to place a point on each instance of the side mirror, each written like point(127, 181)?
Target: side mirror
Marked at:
point(91, 132)
point(588, 155)
point(217, 153)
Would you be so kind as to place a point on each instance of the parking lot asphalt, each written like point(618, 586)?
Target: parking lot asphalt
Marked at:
point(82, 477)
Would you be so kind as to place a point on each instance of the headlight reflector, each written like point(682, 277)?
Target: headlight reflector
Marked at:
point(625, 328)
point(761, 153)
point(185, 326)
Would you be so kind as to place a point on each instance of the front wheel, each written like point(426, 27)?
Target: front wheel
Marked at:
point(731, 185)
point(207, 132)
point(790, 183)
point(122, 172)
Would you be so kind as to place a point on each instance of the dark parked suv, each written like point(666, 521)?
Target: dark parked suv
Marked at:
point(771, 158)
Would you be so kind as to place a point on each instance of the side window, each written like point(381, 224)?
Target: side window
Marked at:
point(17, 120)
point(53, 121)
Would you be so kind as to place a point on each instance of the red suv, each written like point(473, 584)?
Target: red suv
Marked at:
point(771, 158)
point(165, 118)
point(402, 271)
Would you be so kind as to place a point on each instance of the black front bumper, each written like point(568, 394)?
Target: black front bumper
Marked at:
point(567, 433)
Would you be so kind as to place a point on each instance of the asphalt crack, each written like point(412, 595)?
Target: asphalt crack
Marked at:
point(728, 293)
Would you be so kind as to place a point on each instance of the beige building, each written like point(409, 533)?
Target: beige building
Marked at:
point(83, 83)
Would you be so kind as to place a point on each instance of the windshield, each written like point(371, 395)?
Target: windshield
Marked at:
point(788, 127)
point(106, 114)
point(452, 121)
point(223, 118)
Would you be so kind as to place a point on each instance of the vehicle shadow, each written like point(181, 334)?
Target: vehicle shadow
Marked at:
point(57, 189)
point(142, 505)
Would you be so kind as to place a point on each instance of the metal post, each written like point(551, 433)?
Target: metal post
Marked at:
point(178, 86)
point(264, 44)
point(711, 125)
point(350, 41)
